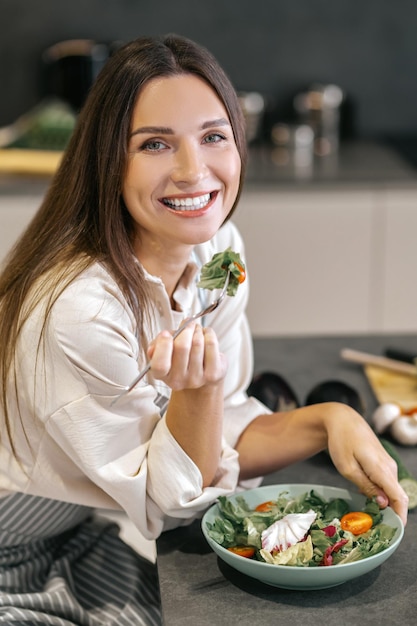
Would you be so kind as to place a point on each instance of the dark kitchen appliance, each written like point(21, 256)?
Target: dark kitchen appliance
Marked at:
point(70, 68)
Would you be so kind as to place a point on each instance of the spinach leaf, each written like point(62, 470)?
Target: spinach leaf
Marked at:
point(336, 508)
point(213, 274)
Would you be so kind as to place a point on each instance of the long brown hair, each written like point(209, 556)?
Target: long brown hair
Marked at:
point(83, 218)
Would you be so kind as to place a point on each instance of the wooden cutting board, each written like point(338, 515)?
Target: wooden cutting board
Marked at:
point(19, 161)
point(389, 386)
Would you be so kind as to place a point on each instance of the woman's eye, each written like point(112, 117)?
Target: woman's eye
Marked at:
point(153, 145)
point(214, 138)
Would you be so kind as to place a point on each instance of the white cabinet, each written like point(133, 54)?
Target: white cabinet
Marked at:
point(330, 261)
point(400, 261)
point(16, 211)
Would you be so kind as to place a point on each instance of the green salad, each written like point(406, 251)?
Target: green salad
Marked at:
point(304, 531)
point(214, 273)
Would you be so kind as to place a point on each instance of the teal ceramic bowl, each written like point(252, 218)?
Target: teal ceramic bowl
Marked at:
point(304, 578)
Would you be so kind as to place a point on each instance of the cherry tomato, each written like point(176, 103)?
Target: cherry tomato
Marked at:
point(411, 411)
point(242, 272)
point(242, 276)
point(245, 551)
point(264, 507)
point(356, 522)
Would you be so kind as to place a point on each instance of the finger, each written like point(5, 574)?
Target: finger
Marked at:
point(384, 486)
point(395, 497)
point(400, 505)
point(160, 353)
point(181, 357)
point(195, 373)
point(392, 495)
point(151, 349)
point(214, 360)
point(386, 492)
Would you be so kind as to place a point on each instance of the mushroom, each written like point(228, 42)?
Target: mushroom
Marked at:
point(384, 416)
point(404, 429)
point(401, 425)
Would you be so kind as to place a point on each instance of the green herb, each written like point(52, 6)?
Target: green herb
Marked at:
point(405, 478)
point(214, 273)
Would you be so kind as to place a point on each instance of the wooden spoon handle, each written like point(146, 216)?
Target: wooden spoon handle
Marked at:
point(381, 361)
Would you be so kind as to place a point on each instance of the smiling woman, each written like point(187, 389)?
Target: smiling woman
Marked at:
point(183, 163)
point(104, 274)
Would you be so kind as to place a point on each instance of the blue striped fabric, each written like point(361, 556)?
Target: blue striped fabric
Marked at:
point(60, 566)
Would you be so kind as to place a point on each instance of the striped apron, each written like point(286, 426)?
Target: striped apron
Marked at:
point(60, 566)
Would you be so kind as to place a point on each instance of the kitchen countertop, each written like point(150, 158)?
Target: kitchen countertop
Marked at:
point(198, 588)
point(358, 163)
point(23, 185)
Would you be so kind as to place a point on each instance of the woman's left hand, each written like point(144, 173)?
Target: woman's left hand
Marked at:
point(359, 456)
point(273, 441)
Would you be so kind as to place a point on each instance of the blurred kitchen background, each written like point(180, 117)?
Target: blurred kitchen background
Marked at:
point(329, 88)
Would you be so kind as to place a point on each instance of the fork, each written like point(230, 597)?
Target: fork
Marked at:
point(188, 320)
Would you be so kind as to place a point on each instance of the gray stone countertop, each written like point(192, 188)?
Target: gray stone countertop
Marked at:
point(23, 185)
point(357, 163)
point(198, 588)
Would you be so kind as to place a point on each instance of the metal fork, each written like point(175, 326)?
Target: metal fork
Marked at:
point(188, 320)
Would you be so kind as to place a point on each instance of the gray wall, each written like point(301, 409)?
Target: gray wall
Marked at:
point(368, 47)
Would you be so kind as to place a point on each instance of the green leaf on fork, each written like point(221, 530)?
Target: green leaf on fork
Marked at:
point(214, 273)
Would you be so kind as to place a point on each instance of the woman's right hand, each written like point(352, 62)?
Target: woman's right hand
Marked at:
point(194, 368)
point(190, 361)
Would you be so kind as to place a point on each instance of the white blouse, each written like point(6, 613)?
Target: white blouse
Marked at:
point(74, 445)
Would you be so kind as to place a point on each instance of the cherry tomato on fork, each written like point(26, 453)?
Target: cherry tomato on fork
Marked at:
point(242, 276)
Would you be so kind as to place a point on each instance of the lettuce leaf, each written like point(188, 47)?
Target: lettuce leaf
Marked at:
point(213, 274)
point(375, 540)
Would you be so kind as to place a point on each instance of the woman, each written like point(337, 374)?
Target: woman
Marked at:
point(104, 273)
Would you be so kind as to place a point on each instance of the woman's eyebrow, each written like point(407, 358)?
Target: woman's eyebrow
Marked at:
point(165, 130)
point(153, 130)
point(221, 121)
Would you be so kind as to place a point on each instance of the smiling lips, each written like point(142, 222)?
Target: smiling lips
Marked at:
point(189, 204)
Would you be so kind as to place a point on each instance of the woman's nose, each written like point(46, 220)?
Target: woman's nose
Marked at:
point(189, 166)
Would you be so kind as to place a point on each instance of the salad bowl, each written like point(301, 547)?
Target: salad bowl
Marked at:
point(296, 577)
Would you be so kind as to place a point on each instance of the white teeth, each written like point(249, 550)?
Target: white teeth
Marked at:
point(188, 204)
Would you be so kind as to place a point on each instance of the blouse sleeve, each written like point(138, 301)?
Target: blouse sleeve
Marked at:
point(120, 455)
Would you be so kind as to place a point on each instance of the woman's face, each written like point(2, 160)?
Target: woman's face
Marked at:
point(183, 167)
